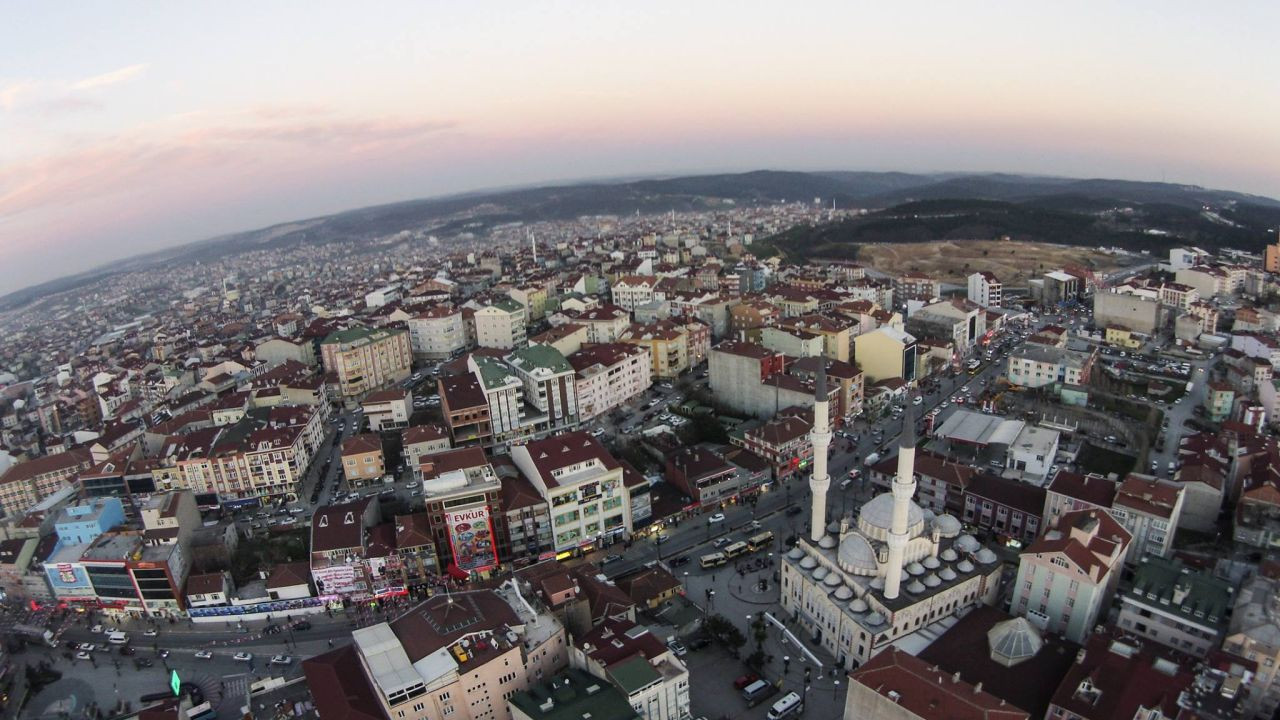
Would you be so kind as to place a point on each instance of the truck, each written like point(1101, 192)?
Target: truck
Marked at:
point(36, 633)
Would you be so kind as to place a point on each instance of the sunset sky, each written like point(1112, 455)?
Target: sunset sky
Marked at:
point(126, 127)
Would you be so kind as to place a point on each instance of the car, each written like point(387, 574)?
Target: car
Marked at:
point(720, 542)
point(717, 518)
point(163, 653)
point(87, 647)
point(678, 561)
point(700, 642)
point(203, 655)
point(243, 657)
point(754, 525)
point(663, 538)
point(281, 660)
point(745, 680)
point(415, 493)
point(917, 400)
point(678, 648)
point(795, 510)
point(140, 663)
point(597, 432)
point(302, 625)
point(96, 629)
point(612, 558)
point(82, 655)
point(127, 650)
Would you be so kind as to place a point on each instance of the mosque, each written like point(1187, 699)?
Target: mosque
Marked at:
point(856, 586)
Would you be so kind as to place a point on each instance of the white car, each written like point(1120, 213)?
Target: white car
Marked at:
point(243, 657)
point(717, 518)
point(203, 655)
point(917, 400)
point(96, 629)
point(281, 660)
point(151, 632)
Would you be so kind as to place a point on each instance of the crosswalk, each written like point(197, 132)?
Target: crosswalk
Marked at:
point(234, 689)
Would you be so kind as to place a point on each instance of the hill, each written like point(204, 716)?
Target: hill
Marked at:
point(1060, 210)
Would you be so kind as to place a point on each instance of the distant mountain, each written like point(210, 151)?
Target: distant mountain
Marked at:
point(1038, 207)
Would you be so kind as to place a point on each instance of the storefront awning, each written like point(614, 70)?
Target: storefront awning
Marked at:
point(456, 572)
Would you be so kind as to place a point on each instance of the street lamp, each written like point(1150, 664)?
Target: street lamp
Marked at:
point(835, 689)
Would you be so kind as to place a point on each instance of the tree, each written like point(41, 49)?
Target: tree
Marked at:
point(725, 632)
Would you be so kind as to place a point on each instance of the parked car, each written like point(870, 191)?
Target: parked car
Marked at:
point(82, 655)
point(678, 561)
point(678, 648)
point(281, 660)
point(612, 558)
point(745, 680)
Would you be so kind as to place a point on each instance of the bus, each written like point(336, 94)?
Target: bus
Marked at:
point(973, 367)
point(733, 550)
point(760, 541)
point(715, 559)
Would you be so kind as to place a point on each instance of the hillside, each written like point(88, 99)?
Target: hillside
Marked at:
point(1059, 210)
point(1073, 219)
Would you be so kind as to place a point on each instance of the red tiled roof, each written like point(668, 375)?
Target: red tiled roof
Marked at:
point(926, 693)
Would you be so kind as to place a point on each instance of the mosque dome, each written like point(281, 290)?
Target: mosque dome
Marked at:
point(1013, 641)
point(843, 592)
point(876, 517)
point(931, 563)
point(949, 555)
point(820, 573)
point(827, 542)
point(947, 574)
point(964, 566)
point(831, 580)
point(808, 563)
point(875, 618)
point(833, 526)
point(947, 525)
point(915, 587)
point(915, 568)
point(986, 557)
point(931, 580)
point(967, 543)
point(856, 554)
point(795, 553)
point(877, 583)
point(858, 605)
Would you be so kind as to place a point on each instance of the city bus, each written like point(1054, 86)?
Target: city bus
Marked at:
point(973, 367)
point(760, 541)
point(733, 550)
point(715, 559)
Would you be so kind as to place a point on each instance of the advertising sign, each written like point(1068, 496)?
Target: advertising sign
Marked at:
point(335, 579)
point(472, 539)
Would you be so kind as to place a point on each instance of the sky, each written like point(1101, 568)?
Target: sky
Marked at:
point(127, 127)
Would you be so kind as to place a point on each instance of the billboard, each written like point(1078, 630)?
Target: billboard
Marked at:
point(472, 539)
point(336, 579)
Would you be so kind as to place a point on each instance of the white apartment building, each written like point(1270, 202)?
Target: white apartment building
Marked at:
point(639, 664)
point(605, 323)
point(1067, 577)
point(500, 324)
point(632, 291)
point(985, 289)
point(388, 409)
point(457, 655)
point(437, 333)
point(582, 483)
point(1149, 508)
point(549, 383)
point(1037, 365)
point(265, 454)
point(609, 375)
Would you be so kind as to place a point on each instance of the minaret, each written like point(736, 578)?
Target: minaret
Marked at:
point(904, 489)
point(821, 440)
